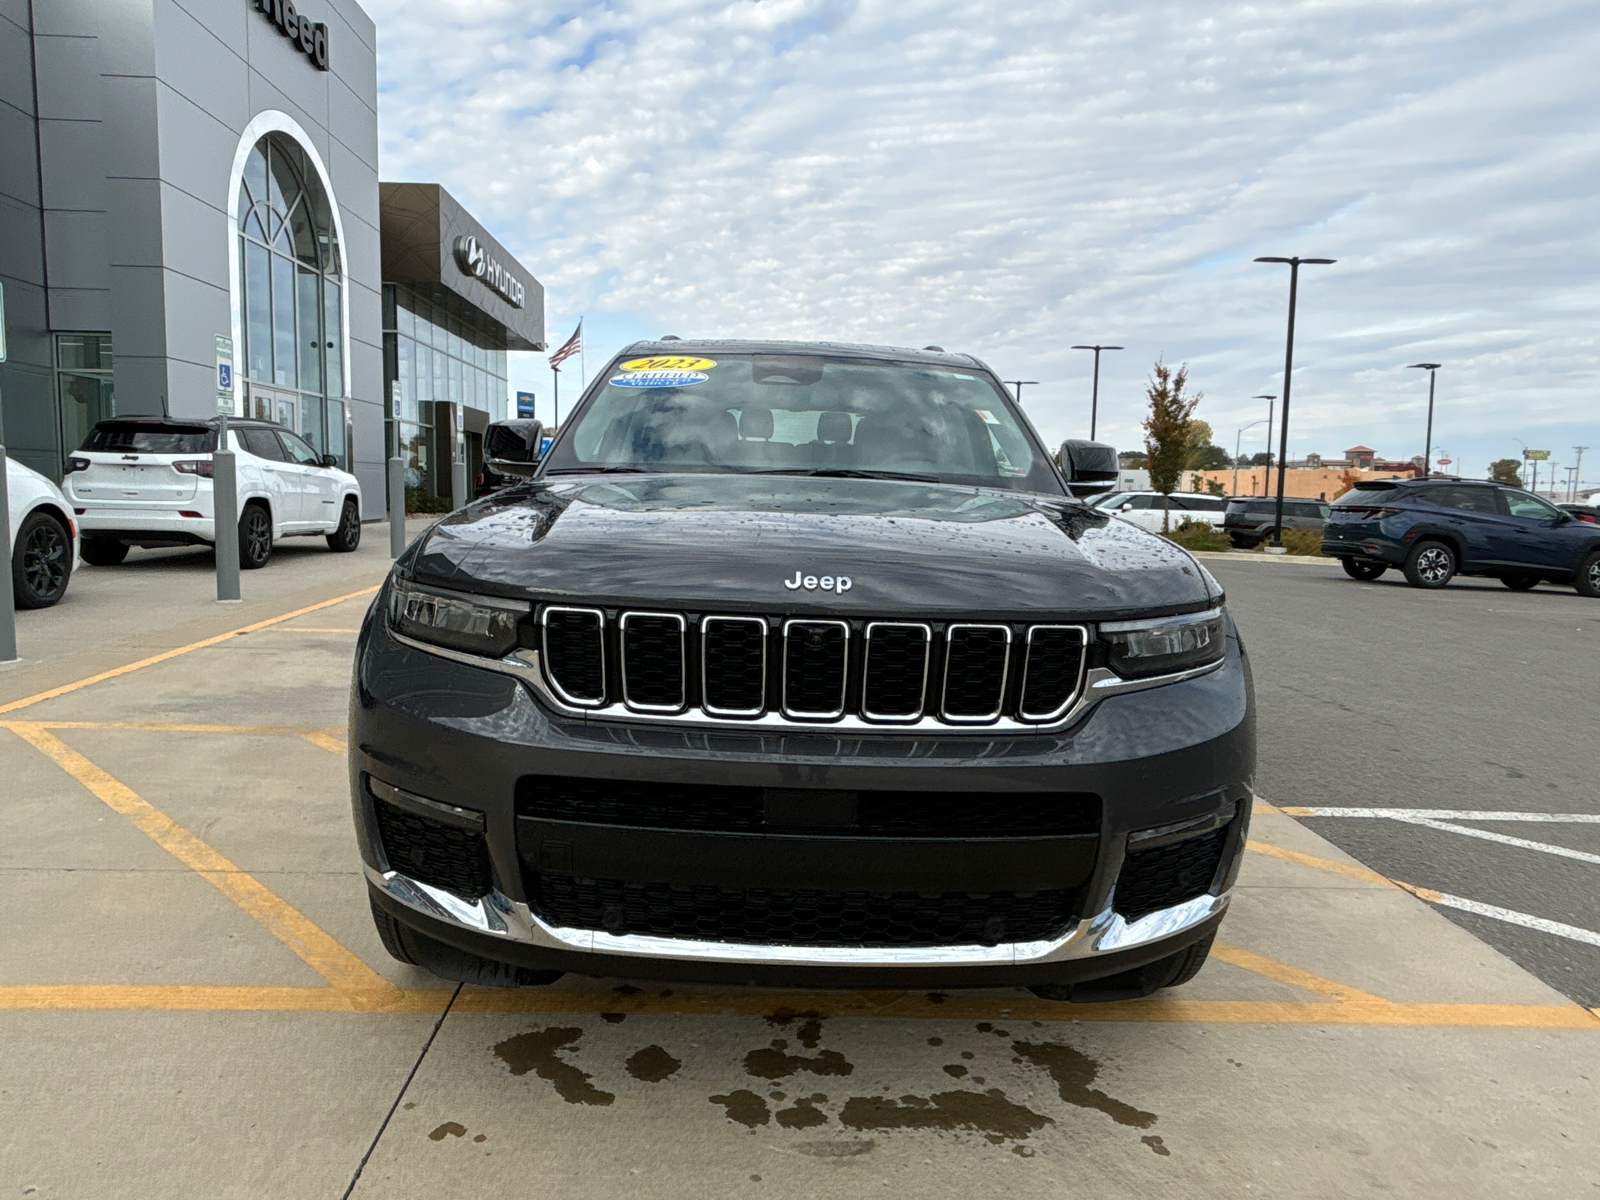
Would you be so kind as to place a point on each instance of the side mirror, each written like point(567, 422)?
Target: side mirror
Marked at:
point(513, 447)
point(1090, 467)
point(330, 460)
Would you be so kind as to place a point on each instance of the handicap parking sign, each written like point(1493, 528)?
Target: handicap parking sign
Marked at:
point(224, 377)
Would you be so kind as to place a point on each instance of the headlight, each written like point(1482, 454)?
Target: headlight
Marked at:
point(477, 624)
point(1164, 645)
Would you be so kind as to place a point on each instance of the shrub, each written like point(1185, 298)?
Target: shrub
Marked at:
point(419, 501)
point(1195, 535)
point(1306, 542)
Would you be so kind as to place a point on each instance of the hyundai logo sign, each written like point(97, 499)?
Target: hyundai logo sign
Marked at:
point(474, 260)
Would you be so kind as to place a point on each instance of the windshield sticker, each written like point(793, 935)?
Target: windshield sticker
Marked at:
point(658, 379)
point(988, 417)
point(669, 362)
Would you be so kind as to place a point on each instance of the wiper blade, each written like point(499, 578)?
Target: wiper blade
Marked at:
point(851, 473)
point(607, 470)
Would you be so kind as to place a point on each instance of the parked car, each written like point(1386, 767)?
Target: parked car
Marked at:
point(1588, 513)
point(1249, 522)
point(1434, 529)
point(797, 664)
point(44, 538)
point(1144, 509)
point(146, 481)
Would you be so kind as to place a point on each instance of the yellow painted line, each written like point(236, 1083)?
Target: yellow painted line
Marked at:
point(314, 629)
point(172, 727)
point(64, 689)
point(1271, 968)
point(885, 1004)
point(331, 739)
point(359, 984)
point(1348, 870)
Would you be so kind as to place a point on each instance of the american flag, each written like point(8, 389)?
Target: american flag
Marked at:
point(572, 346)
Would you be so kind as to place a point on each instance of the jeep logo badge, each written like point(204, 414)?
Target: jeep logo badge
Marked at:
point(839, 584)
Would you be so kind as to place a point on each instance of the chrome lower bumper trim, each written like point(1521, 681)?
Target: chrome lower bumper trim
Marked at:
point(500, 916)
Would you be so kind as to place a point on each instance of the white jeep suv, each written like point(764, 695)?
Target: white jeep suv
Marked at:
point(146, 481)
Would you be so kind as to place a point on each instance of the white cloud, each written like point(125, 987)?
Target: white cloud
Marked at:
point(1011, 179)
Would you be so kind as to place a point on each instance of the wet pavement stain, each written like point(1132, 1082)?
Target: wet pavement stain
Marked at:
point(613, 1018)
point(652, 1064)
point(955, 1070)
point(1155, 1144)
point(805, 1114)
point(1074, 1071)
point(448, 1129)
point(773, 1063)
point(987, 1112)
point(536, 1051)
point(745, 1107)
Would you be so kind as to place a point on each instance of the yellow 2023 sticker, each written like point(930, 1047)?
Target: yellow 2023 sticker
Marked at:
point(669, 362)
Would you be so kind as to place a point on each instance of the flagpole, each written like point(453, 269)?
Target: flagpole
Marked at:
point(555, 376)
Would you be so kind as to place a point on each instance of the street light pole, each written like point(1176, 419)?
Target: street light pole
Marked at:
point(1427, 446)
point(1094, 402)
point(1237, 439)
point(1266, 476)
point(1018, 384)
point(1288, 370)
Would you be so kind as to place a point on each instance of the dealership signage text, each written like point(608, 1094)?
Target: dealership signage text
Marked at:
point(311, 37)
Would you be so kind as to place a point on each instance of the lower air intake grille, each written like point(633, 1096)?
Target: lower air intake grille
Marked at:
point(574, 653)
point(802, 917)
point(434, 853)
point(1160, 878)
point(723, 809)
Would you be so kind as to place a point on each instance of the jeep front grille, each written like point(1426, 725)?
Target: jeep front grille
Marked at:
point(811, 670)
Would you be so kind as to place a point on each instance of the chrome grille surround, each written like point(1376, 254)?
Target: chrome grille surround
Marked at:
point(867, 664)
point(1095, 683)
point(1027, 663)
point(631, 618)
point(555, 610)
point(951, 634)
point(706, 626)
point(819, 624)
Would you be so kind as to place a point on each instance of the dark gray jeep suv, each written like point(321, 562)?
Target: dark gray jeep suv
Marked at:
point(797, 663)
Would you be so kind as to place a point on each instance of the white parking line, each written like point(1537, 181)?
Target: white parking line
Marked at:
point(1444, 814)
point(1504, 839)
point(1571, 932)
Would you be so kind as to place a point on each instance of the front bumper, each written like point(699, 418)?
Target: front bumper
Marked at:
point(464, 736)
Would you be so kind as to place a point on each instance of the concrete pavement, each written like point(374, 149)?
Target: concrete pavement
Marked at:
point(193, 1000)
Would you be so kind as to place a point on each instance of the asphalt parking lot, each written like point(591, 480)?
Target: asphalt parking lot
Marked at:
point(195, 1002)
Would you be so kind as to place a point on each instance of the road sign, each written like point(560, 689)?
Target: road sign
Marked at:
point(1537, 455)
point(225, 375)
point(524, 404)
point(394, 399)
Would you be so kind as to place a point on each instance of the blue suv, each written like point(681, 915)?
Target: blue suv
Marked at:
point(1435, 529)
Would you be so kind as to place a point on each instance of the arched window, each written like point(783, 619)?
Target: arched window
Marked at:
point(291, 272)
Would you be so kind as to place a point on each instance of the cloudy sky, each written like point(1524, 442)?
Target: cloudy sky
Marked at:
point(1011, 179)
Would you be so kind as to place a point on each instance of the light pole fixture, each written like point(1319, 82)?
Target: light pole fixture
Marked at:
point(1094, 401)
point(1237, 438)
point(1427, 446)
point(1288, 371)
point(1018, 384)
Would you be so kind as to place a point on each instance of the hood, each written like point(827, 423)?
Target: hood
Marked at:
point(749, 543)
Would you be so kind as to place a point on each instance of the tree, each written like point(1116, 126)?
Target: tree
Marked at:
point(1215, 488)
point(1210, 458)
point(1504, 470)
point(1166, 431)
point(1347, 480)
point(1261, 459)
point(1131, 460)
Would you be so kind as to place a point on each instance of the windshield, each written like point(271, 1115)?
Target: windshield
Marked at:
point(804, 414)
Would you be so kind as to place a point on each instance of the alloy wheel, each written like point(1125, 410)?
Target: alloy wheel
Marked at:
point(1433, 564)
point(44, 560)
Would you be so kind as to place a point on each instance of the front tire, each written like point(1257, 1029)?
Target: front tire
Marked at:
point(1430, 565)
point(255, 538)
point(1364, 571)
point(1588, 580)
point(41, 561)
point(103, 551)
point(347, 535)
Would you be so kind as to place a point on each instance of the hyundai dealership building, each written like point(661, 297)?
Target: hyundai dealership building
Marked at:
point(191, 220)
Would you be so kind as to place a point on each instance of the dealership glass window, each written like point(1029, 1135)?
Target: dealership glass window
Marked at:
point(436, 350)
point(291, 273)
point(83, 384)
